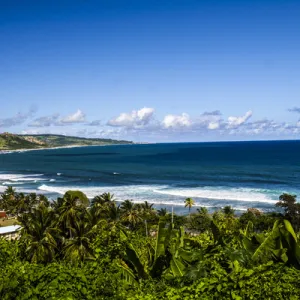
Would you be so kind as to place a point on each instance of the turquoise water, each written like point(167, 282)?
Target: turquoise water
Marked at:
point(240, 174)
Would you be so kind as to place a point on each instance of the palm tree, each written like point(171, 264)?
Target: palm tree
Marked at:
point(130, 214)
point(127, 205)
point(228, 211)
point(22, 204)
point(8, 199)
point(147, 210)
point(101, 204)
point(162, 212)
point(9, 193)
point(33, 199)
point(113, 213)
point(70, 209)
point(43, 199)
point(78, 248)
point(108, 197)
point(102, 199)
point(202, 210)
point(147, 206)
point(189, 202)
point(38, 234)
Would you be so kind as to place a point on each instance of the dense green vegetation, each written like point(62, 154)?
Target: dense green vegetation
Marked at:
point(16, 142)
point(73, 249)
point(61, 140)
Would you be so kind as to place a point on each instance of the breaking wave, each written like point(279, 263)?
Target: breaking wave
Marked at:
point(224, 193)
point(13, 178)
point(163, 195)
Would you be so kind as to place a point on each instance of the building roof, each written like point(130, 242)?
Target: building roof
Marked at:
point(3, 214)
point(9, 229)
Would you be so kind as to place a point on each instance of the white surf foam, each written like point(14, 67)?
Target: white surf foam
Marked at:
point(222, 193)
point(12, 179)
point(19, 177)
point(12, 183)
point(118, 191)
point(201, 196)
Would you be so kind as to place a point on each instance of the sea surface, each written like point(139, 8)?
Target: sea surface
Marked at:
point(240, 174)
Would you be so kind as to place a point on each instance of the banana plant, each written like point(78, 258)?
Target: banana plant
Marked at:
point(169, 257)
point(281, 244)
point(134, 269)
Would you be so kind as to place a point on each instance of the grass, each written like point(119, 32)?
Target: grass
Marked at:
point(9, 222)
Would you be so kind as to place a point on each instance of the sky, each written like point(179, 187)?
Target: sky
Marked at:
point(151, 71)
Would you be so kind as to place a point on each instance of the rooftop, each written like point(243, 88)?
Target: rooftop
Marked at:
point(9, 229)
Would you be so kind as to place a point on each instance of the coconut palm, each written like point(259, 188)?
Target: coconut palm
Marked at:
point(8, 200)
point(101, 204)
point(162, 212)
point(108, 197)
point(38, 234)
point(189, 202)
point(102, 199)
point(147, 210)
point(202, 210)
point(228, 211)
point(33, 199)
point(130, 213)
point(70, 208)
point(147, 206)
point(43, 199)
point(22, 204)
point(127, 205)
point(78, 248)
point(113, 213)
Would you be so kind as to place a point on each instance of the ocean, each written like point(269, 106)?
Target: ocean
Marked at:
point(214, 174)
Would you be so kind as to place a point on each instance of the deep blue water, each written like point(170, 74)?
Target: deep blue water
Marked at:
point(240, 174)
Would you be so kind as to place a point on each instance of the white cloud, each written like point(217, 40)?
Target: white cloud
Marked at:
point(137, 118)
point(213, 125)
point(140, 125)
point(57, 120)
point(77, 117)
point(237, 121)
point(177, 121)
point(208, 120)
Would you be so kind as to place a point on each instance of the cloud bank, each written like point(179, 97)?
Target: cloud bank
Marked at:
point(143, 124)
point(57, 120)
point(137, 118)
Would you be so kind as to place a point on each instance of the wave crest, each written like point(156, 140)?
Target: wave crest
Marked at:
point(149, 193)
point(223, 193)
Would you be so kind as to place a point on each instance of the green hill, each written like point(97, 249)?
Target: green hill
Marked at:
point(10, 141)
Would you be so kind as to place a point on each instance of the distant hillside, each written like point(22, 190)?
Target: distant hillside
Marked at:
point(10, 141)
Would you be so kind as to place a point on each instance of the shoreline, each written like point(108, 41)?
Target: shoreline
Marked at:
point(54, 148)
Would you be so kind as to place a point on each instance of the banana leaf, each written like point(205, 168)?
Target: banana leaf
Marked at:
point(134, 259)
point(177, 267)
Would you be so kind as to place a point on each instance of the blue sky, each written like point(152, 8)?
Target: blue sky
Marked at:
point(151, 70)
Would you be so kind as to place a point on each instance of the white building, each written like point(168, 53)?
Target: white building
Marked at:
point(10, 232)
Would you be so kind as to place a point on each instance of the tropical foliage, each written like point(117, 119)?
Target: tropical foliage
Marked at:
point(71, 248)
